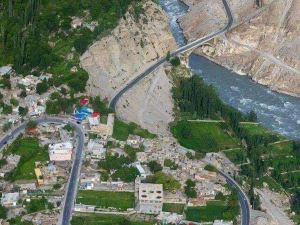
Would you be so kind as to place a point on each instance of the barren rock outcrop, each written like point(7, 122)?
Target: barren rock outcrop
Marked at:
point(266, 46)
point(132, 46)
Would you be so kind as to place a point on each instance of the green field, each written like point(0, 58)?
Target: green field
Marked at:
point(36, 205)
point(203, 136)
point(122, 131)
point(237, 156)
point(106, 199)
point(226, 209)
point(280, 150)
point(30, 152)
point(94, 219)
point(173, 208)
point(212, 211)
point(259, 130)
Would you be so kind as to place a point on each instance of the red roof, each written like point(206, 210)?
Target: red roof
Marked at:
point(95, 114)
point(84, 101)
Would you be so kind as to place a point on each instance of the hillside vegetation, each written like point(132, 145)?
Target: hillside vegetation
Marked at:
point(36, 36)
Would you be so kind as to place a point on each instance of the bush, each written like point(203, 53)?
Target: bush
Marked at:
point(175, 61)
point(190, 189)
point(154, 166)
point(23, 111)
point(42, 87)
point(169, 182)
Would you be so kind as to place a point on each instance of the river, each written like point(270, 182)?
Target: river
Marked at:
point(276, 111)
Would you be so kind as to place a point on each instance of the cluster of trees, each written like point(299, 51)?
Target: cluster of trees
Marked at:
point(190, 189)
point(171, 164)
point(60, 104)
point(100, 105)
point(26, 28)
point(131, 152)
point(154, 166)
point(169, 182)
point(295, 202)
point(120, 166)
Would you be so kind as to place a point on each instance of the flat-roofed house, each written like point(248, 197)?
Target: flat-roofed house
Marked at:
point(149, 197)
point(60, 151)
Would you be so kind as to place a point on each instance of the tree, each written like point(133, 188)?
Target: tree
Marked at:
point(82, 43)
point(175, 61)
point(126, 174)
point(210, 168)
point(154, 166)
point(189, 189)
point(3, 212)
point(23, 111)
point(23, 93)
point(6, 126)
point(252, 117)
point(42, 87)
point(295, 202)
point(14, 102)
point(168, 56)
point(31, 124)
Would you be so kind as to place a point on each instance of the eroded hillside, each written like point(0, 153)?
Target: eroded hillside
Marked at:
point(265, 43)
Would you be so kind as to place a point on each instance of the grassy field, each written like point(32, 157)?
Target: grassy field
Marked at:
point(237, 156)
point(259, 130)
point(280, 150)
point(212, 211)
point(105, 199)
point(36, 205)
point(94, 219)
point(122, 131)
point(173, 208)
point(30, 152)
point(204, 137)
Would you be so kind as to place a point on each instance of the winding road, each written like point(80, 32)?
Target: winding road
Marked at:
point(185, 48)
point(69, 198)
point(244, 202)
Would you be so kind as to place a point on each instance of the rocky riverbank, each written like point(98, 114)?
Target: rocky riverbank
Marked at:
point(264, 43)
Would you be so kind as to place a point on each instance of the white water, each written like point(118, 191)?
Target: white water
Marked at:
point(279, 112)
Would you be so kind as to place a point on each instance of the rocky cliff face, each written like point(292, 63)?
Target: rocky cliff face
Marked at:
point(264, 44)
point(134, 45)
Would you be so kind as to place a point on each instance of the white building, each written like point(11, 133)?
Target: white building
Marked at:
point(60, 151)
point(10, 199)
point(149, 197)
point(141, 170)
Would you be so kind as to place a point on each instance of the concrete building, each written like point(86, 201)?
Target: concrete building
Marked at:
point(105, 129)
point(149, 197)
point(94, 119)
point(96, 150)
point(60, 151)
point(10, 199)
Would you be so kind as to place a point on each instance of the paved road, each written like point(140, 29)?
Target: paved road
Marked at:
point(68, 202)
point(242, 196)
point(180, 50)
point(244, 202)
